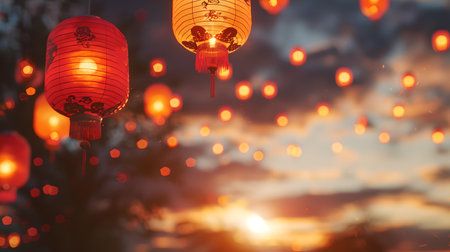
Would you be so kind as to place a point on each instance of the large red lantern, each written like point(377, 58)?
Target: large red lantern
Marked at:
point(14, 165)
point(86, 75)
point(374, 9)
point(274, 7)
point(212, 29)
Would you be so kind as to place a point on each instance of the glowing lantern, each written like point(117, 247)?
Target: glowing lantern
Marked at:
point(409, 81)
point(282, 120)
point(274, 7)
point(212, 29)
point(14, 165)
point(48, 124)
point(269, 90)
point(384, 137)
point(297, 56)
point(157, 67)
point(374, 9)
point(323, 109)
point(344, 77)
point(157, 102)
point(86, 76)
point(225, 73)
point(243, 90)
point(438, 136)
point(398, 111)
point(225, 114)
point(440, 40)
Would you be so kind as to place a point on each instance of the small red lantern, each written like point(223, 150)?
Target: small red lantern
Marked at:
point(274, 7)
point(374, 9)
point(441, 40)
point(157, 67)
point(86, 76)
point(14, 165)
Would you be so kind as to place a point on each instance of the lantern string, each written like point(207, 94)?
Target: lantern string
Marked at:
point(89, 7)
point(212, 70)
point(85, 145)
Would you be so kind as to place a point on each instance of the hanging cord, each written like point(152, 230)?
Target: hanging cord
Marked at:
point(212, 70)
point(89, 7)
point(85, 145)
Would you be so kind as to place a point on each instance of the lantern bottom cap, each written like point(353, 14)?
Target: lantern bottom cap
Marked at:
point(8, 196)
point(85, 127)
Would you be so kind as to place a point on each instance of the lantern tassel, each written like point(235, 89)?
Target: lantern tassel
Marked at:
point(85, 145)
point(212, 71)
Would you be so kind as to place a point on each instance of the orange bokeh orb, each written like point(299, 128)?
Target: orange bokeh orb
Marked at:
point(438, 136)
point(274, 7)
point(384, 137)
point(440, 40)
point(165, 171)
point(157, 67)
point(157, 102)
point(361, 125)
point(205, 131)
point(172, 142)
point(225, 114)
point(398, 111)
point(297, 57)
point(176, 102)
point(217, 148)
point(244, 147)
point(409, 81)
point(225, 73)
point(258, 156)
point(243, 90)
point(282, 120)
point(374, 9)
point(269, 90)
point(142, 143)
point(294, 150)
point(344, 77)
point(191, 162)
point(323, 109)
point(114, 153)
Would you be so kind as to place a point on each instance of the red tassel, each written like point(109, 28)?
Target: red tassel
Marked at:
point(85, 127)
point(85, 145)
point(211, 57)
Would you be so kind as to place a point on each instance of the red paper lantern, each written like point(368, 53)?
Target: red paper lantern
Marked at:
point(274, 7)
point(14, 165)
point(374, 9)
point(86, 75)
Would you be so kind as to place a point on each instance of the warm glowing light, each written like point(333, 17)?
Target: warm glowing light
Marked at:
point(205, 131)
point(282, 120)
point(323, 109)
point(191, 162)
point(165, 171)
point(297, 56)
point(384, 137)
point(217, 148)
point(398, 111)
point(270, 90)
point(114, 153)
point(374, 9)
point(223, 200)
point(438, 136)
point(30, 91)
point(172, 142)
point(296, 246)
point(243, 90)
point(14, 240)
point(54, 136)
point(176, 102)
point(212, 42)
point(225, 73)
point(225, 114)
point(142, 143)
point(130, 126)
point(7, 168)
point(273, 2)
point(87, 66)
point(344, 77)
point(27, 70)
point(157, 67)
point(441, 40)
point(337, 147)
point(258, 156)
point(294, 150)
point(409, 81)
point(244, 147)
point(32, 231)
point(157, 103)
point(7, 220)
point(158, 106)
point(274, 7)
point(256, 224)
point(360, 129)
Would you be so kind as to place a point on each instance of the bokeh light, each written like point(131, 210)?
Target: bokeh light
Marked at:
point(269, 90)
point(438, 136)
point(157, 67)
point(398, 111)
point(440, 40)
point(258, 156)
point(384, 137)
point(205, 131)
point(294, 150)
point(282, 120)
point(344, 77)
point(165, 171)
point(337, 147)
point(225, 114)
point(244, 147)
point(176, 102)
point(114, 153)
point(14, 240)
point(224, 73)
point(172, 142)
point(243, 90)
point(323, 109)
point(409, 81)
point(142, 143)
point(217, 148)
point(191, 162)
point(297, 57)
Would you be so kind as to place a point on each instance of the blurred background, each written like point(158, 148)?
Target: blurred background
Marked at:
point(292, 162)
